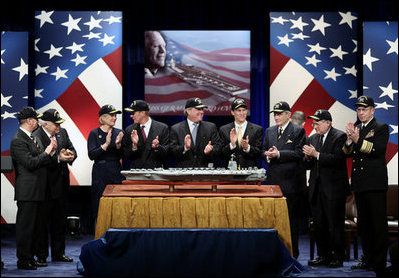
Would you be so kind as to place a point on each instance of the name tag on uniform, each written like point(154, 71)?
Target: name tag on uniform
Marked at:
point(370, 134)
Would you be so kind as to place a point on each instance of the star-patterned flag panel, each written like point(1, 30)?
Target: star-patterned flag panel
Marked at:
point(313, 63)
point(380, 81)
point(14, 96)
point(78, 69)
point(211, 59)
point(14, 82)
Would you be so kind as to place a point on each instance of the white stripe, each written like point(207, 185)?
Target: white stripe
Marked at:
point(289, 84)
point(103, 85)
point(8, 205)
point(393, 170)
point(341, 115)
point(81, 167)
point(172, 88)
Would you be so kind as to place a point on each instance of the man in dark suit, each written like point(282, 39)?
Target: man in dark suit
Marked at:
point(146, 140)
point(367, 144)
point(53, 211)
point(328, 188)
point(30, 161)
point(282, 150)
point(241, 138)
point(194, 142)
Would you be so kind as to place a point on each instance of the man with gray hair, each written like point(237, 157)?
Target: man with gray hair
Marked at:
point(53, 211)
point(298, 118)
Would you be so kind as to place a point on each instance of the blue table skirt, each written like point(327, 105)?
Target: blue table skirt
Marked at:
point(188, 252)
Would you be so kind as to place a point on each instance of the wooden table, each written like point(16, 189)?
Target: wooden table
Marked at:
point(194, 206)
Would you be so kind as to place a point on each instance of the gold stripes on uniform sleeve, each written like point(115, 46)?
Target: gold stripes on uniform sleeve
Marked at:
point(366, 147)
point(347, 149)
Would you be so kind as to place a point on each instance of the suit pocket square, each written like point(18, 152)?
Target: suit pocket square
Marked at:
point(288, 141)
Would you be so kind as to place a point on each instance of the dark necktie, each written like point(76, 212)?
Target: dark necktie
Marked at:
point(280, 133)
point(143, 133)
point(320, 143)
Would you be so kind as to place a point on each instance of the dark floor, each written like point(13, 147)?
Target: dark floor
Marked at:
point(59, 269)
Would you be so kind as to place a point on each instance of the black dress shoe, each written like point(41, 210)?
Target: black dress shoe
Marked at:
point(41, 262)
point(319, 261)
point(28, 265)
point(62, 258)
point(335, 264)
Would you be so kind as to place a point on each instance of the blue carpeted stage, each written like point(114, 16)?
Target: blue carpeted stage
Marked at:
point(188, 252)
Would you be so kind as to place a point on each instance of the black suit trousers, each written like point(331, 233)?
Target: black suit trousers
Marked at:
point(26, 229)
point(52, 221)
point(373, 226)
point(329, 224)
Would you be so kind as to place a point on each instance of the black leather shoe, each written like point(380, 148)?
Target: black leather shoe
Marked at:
point(62, 258)
point(41, 263)
point(28, 265)
point(319, 261)
point(335, 264)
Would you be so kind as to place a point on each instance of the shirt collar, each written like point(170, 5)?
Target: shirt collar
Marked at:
point(26, 132)
point(285, 126)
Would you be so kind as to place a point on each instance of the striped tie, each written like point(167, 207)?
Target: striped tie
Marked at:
point(239, 135)
point(280, 133)
point(35, 141)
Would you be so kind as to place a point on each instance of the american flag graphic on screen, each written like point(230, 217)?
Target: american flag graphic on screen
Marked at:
point(78, 68)
point(313, 63)
point(212, 61)
point(380, 81)
point(14, 96)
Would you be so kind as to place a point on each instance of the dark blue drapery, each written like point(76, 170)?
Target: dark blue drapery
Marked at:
point(188, 252)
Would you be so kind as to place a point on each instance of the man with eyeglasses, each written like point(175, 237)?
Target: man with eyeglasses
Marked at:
point(328, 188)
point(367, 144)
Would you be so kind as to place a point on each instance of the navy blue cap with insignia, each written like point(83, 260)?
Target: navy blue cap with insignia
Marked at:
point(320, 115)
point(108, 109)
point(281, 106)
point(364, 101)
point(237, 103)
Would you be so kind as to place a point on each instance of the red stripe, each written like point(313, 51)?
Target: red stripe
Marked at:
point(9, 176)
point(114, 62)
point(72, 180)
point(277, 63)
point(182, 95)
point(314, 97)
point(80, 107)
point(217, 57)
point(244, 74)
point(392, 149)
point(240, 51)
point(163, 81)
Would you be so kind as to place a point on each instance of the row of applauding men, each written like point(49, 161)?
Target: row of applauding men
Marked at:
point(196, 143)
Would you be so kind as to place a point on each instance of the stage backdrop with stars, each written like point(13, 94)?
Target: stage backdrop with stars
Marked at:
point(78, 69)
point(14, 96)
point(380, 81)
point(313, 63)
